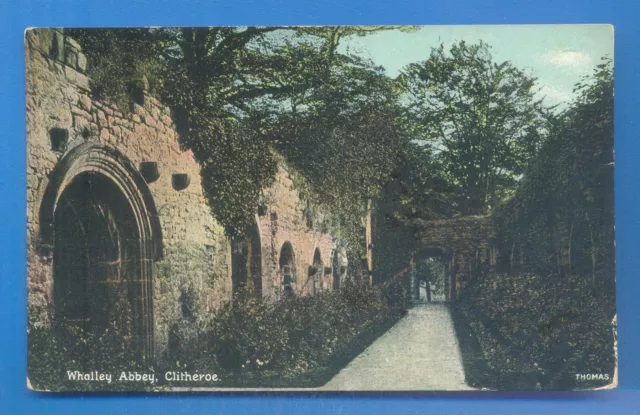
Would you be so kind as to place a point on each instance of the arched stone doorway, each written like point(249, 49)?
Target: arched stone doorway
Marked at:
point(246, 265)
point(99, 224)
point(287, 269)
point(95, 257)
point(316, 272)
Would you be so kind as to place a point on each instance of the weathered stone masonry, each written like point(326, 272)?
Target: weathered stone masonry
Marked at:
point(284, 221)
point(464, 241)
point(176, 249)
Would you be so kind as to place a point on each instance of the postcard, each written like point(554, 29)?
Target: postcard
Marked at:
point(320, 208)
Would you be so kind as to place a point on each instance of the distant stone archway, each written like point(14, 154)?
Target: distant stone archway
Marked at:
point(99, 224)
point(287, 269)
point(246, 264)
point(467, 241)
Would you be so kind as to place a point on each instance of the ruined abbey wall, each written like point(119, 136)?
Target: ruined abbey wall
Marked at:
point(463, 244)
point(284, 221)
point(195, 255)
point(193, 263)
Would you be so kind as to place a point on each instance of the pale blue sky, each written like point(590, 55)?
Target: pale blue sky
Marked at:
point(558, 55)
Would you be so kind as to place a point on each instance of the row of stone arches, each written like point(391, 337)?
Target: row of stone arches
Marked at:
point(317, 272)
point(247, 268)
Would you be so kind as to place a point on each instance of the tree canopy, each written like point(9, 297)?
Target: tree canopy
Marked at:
point(240, 95)
point(550, 300)
point(562, 213)
point(481, 118)
point(451, 135)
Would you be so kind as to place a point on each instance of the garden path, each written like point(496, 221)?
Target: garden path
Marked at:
point(420, 352)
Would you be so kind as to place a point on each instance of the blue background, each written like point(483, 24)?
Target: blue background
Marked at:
point(16, 16)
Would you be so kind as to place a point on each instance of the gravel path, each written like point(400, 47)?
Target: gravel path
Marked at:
point(420, 352)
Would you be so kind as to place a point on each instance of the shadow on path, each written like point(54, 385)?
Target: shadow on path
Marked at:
point(476, 371)
point(420, 352)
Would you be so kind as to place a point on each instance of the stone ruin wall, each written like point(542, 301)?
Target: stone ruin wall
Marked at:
point(463, 243)
point(466, 240)
point(195, 249)
point(284, 221)
point(196, 260)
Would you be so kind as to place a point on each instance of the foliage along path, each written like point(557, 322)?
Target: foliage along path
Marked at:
point(420, 352)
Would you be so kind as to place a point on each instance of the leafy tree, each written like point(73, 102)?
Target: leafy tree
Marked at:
point(204, 74)
point(481, 119)
point(118, 57)
point(418, 187)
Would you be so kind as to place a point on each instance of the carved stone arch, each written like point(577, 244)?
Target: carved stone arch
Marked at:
point(133, 217)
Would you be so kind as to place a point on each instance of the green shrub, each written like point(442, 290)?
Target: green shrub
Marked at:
point(55, 350)
point(259, 343)
point(539, 331)
point(294, 342)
